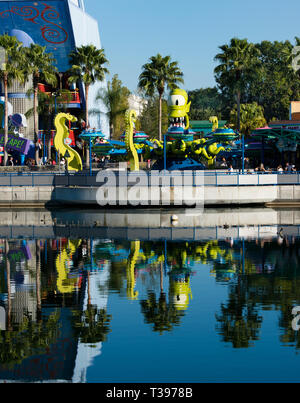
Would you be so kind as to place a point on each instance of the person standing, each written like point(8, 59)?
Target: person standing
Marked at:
point(10, 162)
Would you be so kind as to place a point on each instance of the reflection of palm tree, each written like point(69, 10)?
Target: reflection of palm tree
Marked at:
point(91, 325)
point(162, 315)
point(38, 280)
point(28, 338)
point(239, 321)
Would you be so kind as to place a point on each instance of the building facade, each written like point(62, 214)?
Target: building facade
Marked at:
point(61, 26)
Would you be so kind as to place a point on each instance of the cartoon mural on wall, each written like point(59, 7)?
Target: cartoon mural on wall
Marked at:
point(44, 23)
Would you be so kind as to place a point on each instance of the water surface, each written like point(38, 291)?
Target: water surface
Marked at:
point(197, 304)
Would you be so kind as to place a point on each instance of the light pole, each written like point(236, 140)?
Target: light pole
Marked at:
point(44, 151)
point(90, 145)
point(243, 154)
point(165, 152)
point(55, 112)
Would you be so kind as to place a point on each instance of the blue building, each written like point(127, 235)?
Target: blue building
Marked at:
point(61, 26)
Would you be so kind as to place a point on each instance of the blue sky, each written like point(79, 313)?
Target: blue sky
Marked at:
point(190, 31)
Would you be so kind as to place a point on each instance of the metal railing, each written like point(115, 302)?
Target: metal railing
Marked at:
point(192, 178)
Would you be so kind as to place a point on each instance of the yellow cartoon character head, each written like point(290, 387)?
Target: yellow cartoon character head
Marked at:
point(179, 107)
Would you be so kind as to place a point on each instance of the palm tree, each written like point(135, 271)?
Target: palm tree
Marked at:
point(236, 63)
point(47, 107)
point(39, 65)
point(294, 58)
point(251, 117)
point(11, 71)
point(115, 98)
point(158, 74)
point(88, 66)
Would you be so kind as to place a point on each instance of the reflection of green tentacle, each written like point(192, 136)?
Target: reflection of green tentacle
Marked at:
point(135, 251)
point(66, 285)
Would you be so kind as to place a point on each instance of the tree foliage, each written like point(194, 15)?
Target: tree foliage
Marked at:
point(115, 98)
point(238, 63)
point(205, 102)
point(11, 70)
point(149, 117)
point(267, 77)
point(88, 66)
point(251, 117)
point(159, 73)
point(39, 65)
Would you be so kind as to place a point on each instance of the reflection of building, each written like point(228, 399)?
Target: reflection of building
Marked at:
point(23, 286)
point(22, 263)
point(60, 25)
point(62, 357)
point(86, 353)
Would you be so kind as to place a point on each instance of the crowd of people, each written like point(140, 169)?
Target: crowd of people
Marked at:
point(249, 168)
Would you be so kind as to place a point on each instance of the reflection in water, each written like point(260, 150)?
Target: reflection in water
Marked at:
point(134, 254)
point(64, 263)
point(55, 315)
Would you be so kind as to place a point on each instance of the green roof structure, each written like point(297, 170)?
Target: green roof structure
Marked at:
point(204, 126)
point(285, 131)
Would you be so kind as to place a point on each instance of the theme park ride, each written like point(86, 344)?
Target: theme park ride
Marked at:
point(72, 157)
point(179, 150)
point(280, 135)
